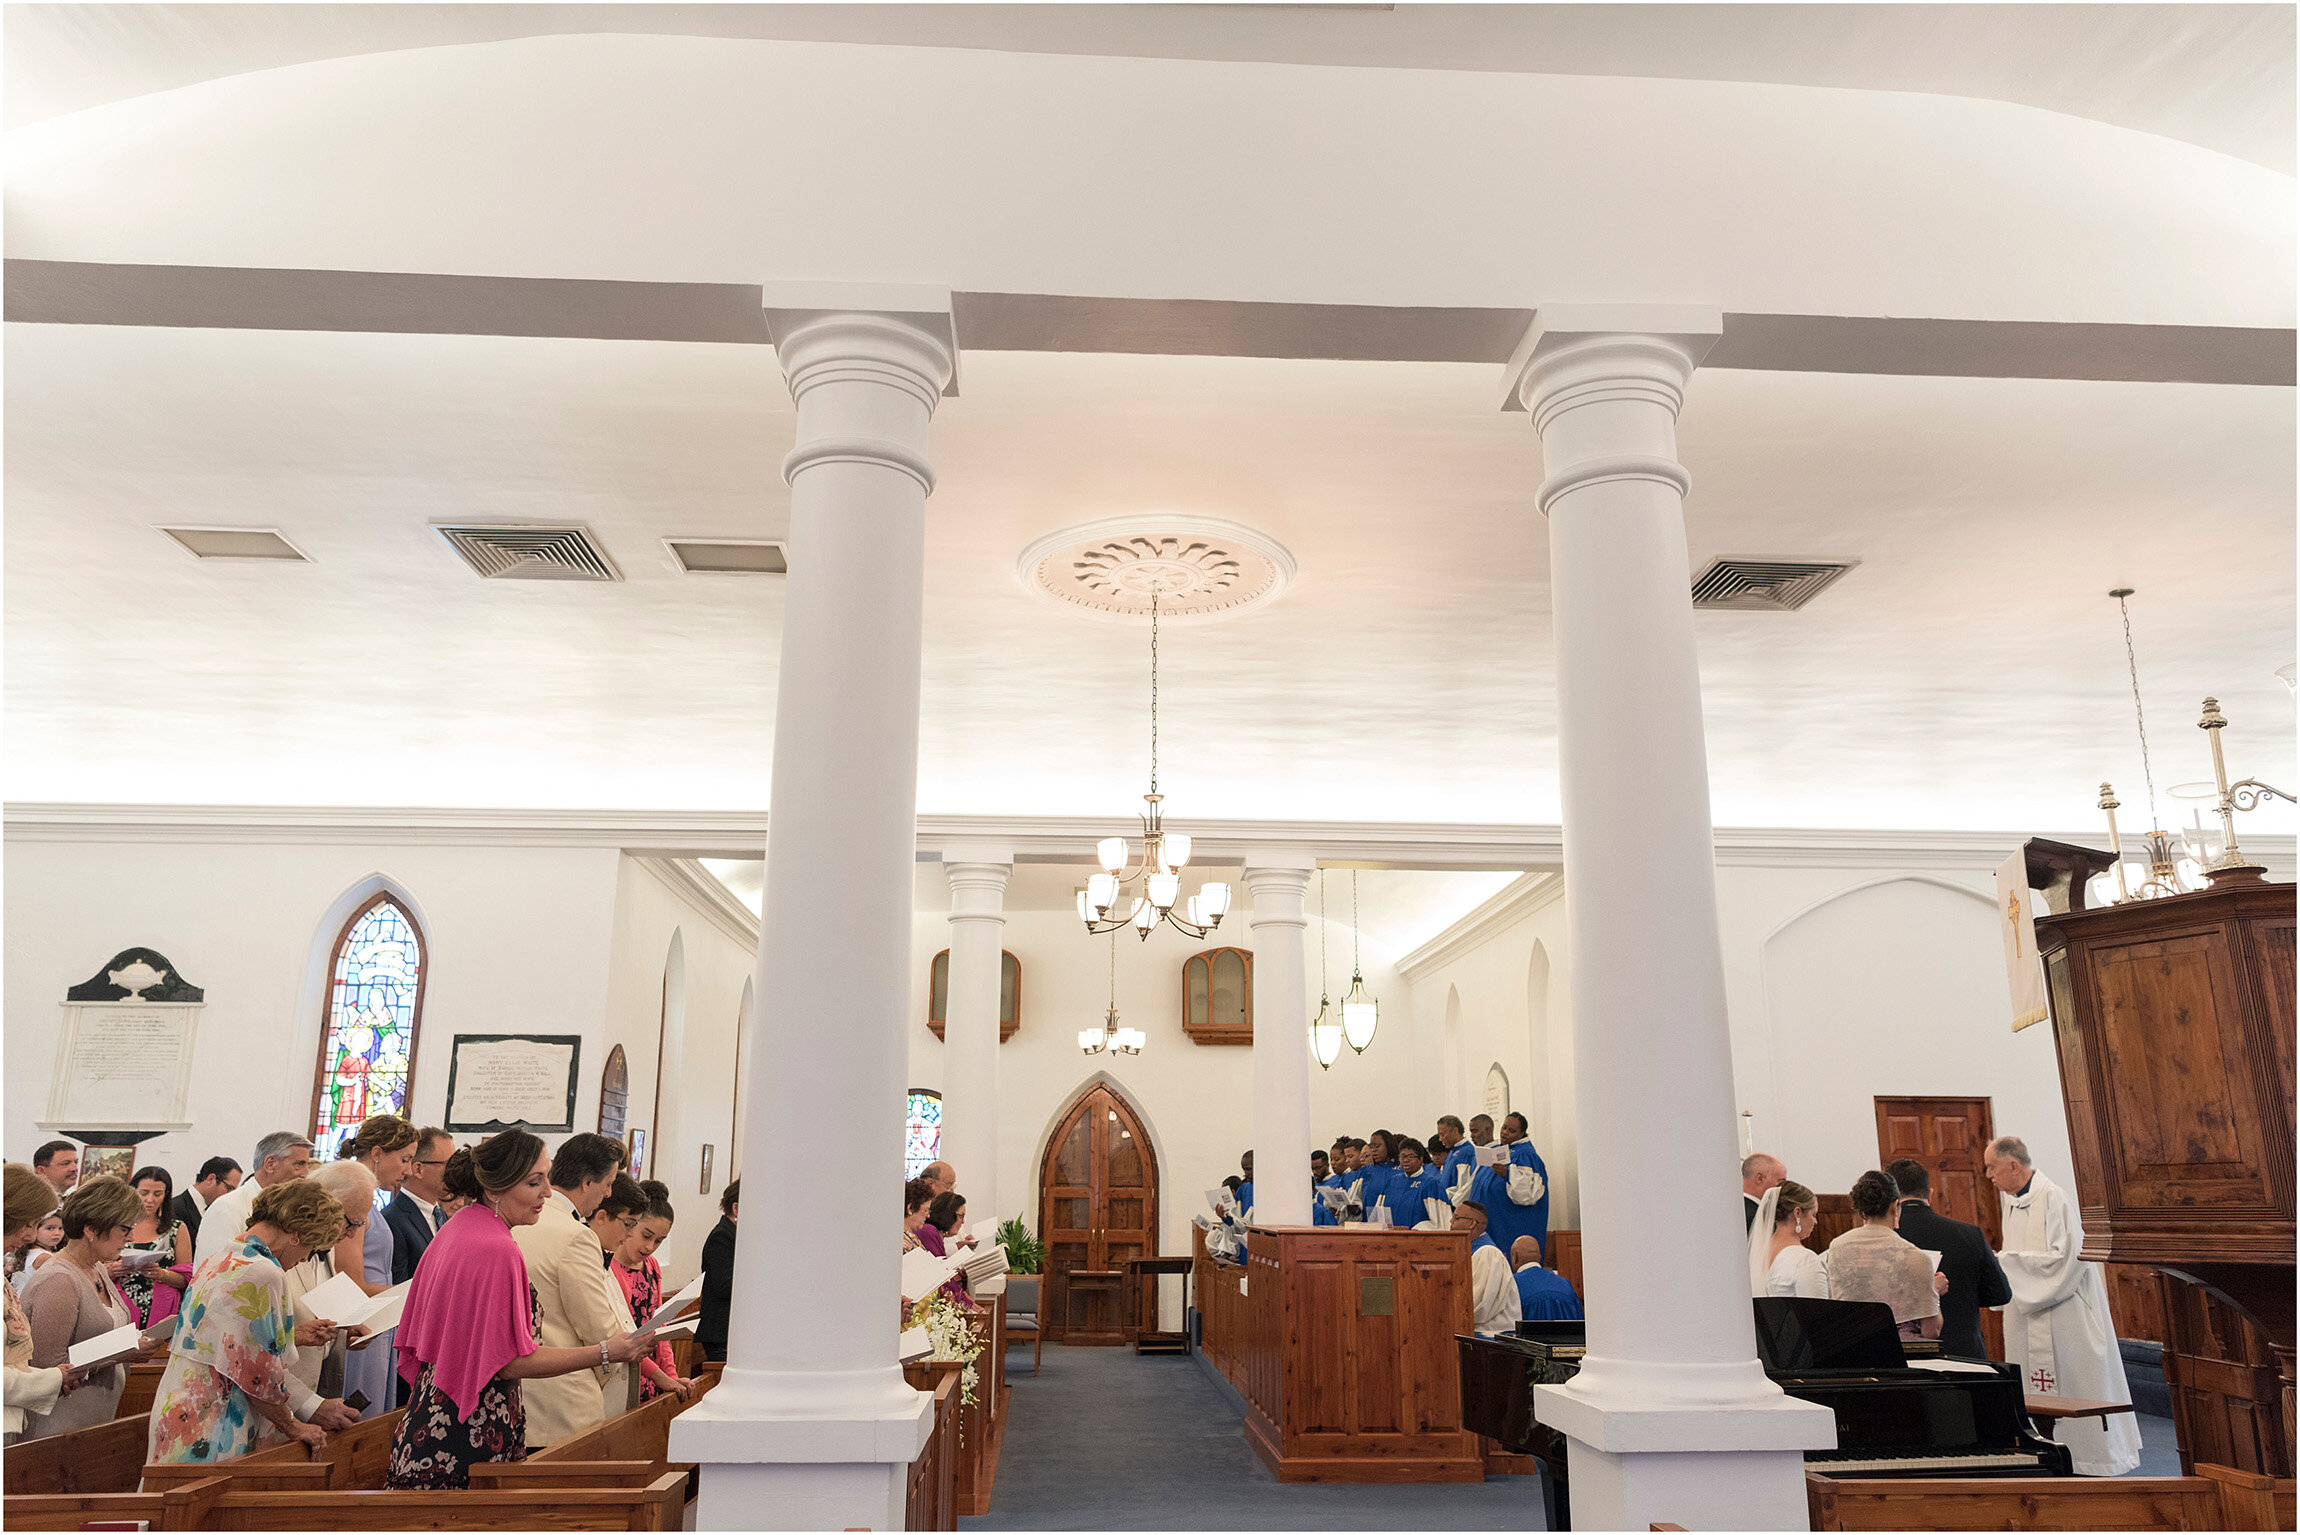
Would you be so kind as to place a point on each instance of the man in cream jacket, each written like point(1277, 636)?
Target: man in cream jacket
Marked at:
point(568, 1268)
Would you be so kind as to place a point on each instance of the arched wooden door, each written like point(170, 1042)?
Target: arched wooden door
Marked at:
point(1097, 1207)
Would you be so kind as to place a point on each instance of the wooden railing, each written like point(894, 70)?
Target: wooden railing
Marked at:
point(216, 1503)
point(2043, 1503)
point(353, 1459)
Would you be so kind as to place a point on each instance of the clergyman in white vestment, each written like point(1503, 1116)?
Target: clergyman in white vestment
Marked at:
point(2058, 1328)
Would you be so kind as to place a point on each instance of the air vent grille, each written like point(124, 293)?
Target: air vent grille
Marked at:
point(237, 544)
point(728, 556)
point(531, 552)
point(1765, 586)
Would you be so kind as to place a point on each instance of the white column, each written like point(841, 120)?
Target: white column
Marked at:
point(1278, 881)
point(1671, 1418)
point(970, 1024)
point(813, 1426)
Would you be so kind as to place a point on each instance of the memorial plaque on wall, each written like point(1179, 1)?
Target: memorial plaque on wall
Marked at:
point(124, 1059)
point(495, 1081)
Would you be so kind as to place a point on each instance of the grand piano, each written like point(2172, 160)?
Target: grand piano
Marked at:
point(1898, 1414)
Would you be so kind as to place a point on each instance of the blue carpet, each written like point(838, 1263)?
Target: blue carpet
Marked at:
point(1107, 1439)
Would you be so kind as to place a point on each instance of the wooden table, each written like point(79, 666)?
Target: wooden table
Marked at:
point(1110, 1286)
point(1147, 1270)
point(2073, 1407)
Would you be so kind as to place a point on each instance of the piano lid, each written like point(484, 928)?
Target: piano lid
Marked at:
point(1795, 1334)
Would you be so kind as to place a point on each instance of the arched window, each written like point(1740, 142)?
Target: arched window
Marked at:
point(921, 1130)
point(367, 1037)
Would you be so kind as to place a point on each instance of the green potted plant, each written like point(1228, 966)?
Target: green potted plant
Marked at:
point(1024, 1252)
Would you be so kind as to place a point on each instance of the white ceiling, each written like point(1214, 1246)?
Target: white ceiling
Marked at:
point(2220, 76)
point(1970, 674)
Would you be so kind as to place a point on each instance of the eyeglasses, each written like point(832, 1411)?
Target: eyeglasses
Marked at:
point(425, 1162)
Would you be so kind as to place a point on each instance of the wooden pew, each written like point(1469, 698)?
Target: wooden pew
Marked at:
point(2014, 1503)
point(105, 1458)
point(214, 1504)
point(353, 1459)
point(142, 1388)
point(2250, 1501)
point(931, 1501)
point(531, 1474)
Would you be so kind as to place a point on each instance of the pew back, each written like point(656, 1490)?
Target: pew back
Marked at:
point(354, 1458)
point(215, 1504)
point(105, 1458)
point(509, 1474)
point(2014, 1503)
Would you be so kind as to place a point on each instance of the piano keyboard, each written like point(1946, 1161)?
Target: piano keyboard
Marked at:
point(1936, 1465)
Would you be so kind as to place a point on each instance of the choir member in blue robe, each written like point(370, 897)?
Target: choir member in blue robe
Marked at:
point(1516, 1197)
point(1321, 1170)
point(1413, 1186)
point(1480, 1134)
point(1380, 1183)
point(1542, 1295)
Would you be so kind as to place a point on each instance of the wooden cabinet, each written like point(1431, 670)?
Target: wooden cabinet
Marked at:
point(1347, 1360)
point(1009, 994)
point(2174, 1025)
point(1218, 997)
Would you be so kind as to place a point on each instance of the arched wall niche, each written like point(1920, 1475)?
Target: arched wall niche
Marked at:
point(1453, 1052)
point(666, 1152)
point(1895, 985)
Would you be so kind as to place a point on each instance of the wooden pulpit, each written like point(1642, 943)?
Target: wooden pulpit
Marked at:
point(2174, 1025)
point(1347, 1362)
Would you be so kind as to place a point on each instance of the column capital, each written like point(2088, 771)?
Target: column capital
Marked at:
point(977, 889)
point(904, 356)
point(1622, 341)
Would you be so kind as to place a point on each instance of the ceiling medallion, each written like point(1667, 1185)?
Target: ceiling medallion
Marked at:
point(1196, 568)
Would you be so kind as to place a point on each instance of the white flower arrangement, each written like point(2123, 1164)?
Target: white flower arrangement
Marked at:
point(952, 1330)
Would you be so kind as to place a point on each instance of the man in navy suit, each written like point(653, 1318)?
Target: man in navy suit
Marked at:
point(1976, 1279)
point(413, 1213)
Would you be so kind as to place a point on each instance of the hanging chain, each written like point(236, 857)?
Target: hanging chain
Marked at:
point(1153, 690)
point(1325, 968)
point(1114, 970)
point(1355, 968)
point(2132, 666)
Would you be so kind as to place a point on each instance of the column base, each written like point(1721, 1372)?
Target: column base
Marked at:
point(777, 1456)
point(1721, 1464)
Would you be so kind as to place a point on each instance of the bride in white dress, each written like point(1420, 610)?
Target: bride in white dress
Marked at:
point(1779, 1262)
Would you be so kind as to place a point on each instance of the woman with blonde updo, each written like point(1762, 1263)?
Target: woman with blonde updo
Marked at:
point(229, 1389)
point(1779, 1261)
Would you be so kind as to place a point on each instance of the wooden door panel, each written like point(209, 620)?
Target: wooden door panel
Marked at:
point(1952, 1138)
point(1900, 1135)
point(1098, 1209)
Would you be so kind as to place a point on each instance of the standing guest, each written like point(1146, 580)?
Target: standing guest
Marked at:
point(30, 1200)
point(467, 1338)
point(940, 1176)
point(1493, 1289)
point(618, 1215)
point(1975, 1278)
point(218, 1177)
point(1779, 1261)
point(73, 1299)
point(384, 1145)
point(413, 1213)
point(59, 1163)
point(719, 1275)
point(322, 1349)
point(228, 1389)
point(1872, 1262)
point(1516, 1195)
point(640, 1278)
point(945, 1215)
point(1542, 1296)
point(2057, 1327)
point(579, 1303)
point(154, 1288)
point(1759, 1172)
point(281, 1157)
point(917, 1198)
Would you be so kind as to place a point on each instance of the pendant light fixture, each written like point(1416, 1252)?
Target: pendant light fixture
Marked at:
point(1163, 855)
point(1361, 1014)
point(1110, 1037)
point(1326, 1028)
point(2174, 865)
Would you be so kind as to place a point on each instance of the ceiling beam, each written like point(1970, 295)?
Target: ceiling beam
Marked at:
point(431, 303)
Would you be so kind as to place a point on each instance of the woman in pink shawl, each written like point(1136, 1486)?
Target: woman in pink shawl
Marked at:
point(467, 1337)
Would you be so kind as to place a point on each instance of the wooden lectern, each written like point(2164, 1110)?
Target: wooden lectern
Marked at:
point(2174, 1022)
point(1347, 1362)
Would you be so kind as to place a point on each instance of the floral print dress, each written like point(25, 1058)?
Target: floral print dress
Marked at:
point(434, 1449)
point(137, 1285)
point(643, 1292)
point(234, 1342)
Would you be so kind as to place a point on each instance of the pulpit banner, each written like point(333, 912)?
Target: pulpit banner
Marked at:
point(2024, 968)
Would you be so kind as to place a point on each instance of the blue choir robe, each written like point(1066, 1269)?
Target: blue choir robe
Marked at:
point(1333, 1181)
point(1320, 1215)
point(1245, 1198)
point(1461, 1153)
point(1384, 1182)
point(1416, 1192)
point(1506, 1220)
point(1543, 1296)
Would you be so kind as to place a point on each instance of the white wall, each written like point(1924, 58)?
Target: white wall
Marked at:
point(1842, 984)
point(516, 941)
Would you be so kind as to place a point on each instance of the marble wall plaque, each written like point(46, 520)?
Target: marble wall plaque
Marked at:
point(495, 1080)
point(124, 1065)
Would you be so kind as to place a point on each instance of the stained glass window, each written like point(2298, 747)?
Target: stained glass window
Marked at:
point(374, 1006)
point(921, 1131)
